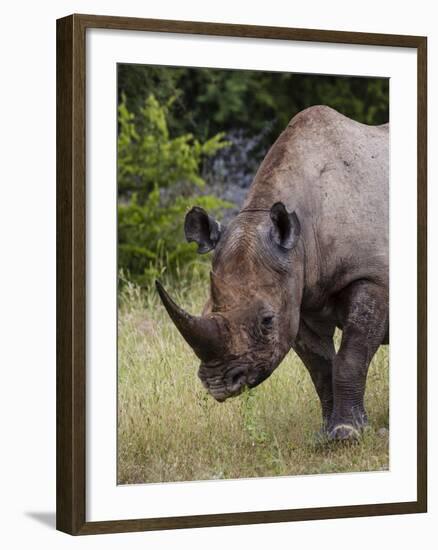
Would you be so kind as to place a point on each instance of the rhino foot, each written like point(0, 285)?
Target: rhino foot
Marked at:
point(344, 432)
point(347, 427)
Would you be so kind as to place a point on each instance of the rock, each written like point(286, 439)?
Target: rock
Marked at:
point(383, 433)
point(230, 172)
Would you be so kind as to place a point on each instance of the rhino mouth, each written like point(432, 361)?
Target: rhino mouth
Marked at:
point(221, 394)
point(232, 384)
point(222, 386)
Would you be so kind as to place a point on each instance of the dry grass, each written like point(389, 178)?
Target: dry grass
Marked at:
point(170, 429)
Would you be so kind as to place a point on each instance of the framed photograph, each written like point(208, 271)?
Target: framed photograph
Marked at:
point(241, 274)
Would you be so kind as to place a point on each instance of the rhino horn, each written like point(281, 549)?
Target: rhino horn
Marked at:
point(203, 334)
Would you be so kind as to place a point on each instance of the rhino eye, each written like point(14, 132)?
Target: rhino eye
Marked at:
point(267, 321)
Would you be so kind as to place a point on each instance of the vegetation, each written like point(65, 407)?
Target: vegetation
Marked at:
point(207, 101)
point(156, 178)
point(170, 429)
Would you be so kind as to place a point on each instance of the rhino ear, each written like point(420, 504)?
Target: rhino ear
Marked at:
point(286, 227)
point(202, 229)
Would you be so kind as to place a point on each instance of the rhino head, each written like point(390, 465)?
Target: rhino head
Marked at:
point(251, 318)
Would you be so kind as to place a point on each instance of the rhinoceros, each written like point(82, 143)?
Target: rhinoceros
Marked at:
point(308, 252)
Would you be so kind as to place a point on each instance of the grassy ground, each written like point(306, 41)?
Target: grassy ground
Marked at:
point(169, 429)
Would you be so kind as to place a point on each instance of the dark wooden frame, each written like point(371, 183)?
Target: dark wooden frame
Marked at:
point(71, 266)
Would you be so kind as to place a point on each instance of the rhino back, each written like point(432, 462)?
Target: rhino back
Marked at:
point(333, 172)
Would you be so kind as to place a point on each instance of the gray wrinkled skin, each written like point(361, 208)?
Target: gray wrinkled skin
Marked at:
point(282, 281)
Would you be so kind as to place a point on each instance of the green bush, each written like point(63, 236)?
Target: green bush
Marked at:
point(207, 100)
point(158, 181)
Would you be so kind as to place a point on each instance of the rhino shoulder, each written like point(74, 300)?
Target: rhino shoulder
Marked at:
point(324, 117)
point(317, 114)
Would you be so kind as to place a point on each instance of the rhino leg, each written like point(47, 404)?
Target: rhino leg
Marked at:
point(363, 313)
point(315, 348)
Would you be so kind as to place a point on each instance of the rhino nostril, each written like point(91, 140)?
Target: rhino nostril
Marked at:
point(237, 380)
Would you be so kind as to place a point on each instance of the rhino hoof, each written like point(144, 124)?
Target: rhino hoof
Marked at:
point(344, 432)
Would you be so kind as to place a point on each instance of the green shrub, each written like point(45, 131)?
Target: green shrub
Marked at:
point(158, 181)
point(208, 100)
